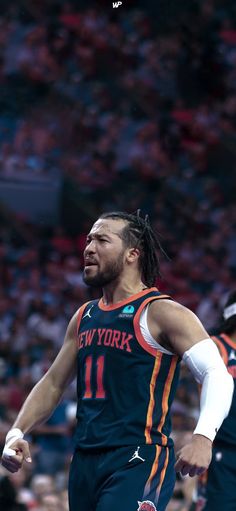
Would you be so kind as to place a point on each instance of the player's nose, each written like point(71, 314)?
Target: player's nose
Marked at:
point(90, 248)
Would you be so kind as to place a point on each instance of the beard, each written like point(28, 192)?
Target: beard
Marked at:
point(110, 273)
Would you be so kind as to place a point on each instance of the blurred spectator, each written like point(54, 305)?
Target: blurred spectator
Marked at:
point(8, 496)
point(41, 486)
point(53, 502)
point(48, 324)
point(53, 442)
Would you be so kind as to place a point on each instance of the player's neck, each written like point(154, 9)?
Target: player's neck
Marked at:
point(117, 292)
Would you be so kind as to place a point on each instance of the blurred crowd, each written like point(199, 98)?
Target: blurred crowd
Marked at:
point(131, 114)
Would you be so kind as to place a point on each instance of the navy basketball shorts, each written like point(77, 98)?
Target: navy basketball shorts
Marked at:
point(219, 492)
point(129, 478)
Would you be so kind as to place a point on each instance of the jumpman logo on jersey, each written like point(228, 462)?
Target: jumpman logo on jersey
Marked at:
point(136, 455)
point(232, 355)
point(88, 313)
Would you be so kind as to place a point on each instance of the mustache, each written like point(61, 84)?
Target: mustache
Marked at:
point(90, 261)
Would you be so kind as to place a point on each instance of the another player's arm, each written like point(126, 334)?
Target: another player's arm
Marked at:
point(42, 400)
point(180, 331)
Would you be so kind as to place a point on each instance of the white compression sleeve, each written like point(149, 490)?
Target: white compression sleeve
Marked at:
point(206, 365)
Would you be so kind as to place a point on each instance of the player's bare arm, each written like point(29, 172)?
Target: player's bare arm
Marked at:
point(180, 331)
point(41, 401)
point(174, 326)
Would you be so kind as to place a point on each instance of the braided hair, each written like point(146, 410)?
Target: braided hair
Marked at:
point(138, 233)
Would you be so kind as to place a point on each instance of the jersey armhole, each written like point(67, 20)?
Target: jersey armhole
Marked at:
point(147, 335)
point(138, 333)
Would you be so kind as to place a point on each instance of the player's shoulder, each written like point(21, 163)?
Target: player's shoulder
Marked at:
point(170, 310)
point(167, 303)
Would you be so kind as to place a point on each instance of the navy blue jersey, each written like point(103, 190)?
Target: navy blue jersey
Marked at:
point(227, 348)
point(125, 387)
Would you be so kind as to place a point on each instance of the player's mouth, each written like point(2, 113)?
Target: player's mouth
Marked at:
point(89, 263)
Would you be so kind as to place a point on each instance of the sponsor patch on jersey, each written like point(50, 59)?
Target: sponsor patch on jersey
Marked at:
point(146, 505)
point(127, 311)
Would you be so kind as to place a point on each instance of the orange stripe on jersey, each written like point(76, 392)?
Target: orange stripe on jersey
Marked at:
point(153, 471)
point(137, 329)
point(80, 314)
point(163, 473)
point(117, 305)
point(166, 394)
point(222, 349)
point(229, 341)
point(151, 405)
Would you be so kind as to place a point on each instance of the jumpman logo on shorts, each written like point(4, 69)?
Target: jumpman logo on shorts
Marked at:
point(136, 455)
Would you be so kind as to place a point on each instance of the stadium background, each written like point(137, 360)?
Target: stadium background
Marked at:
point(106, 108)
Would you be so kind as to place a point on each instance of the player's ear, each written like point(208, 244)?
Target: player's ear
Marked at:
point(133, 254)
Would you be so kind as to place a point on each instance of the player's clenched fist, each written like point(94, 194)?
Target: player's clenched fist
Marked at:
point(194, 458)
point(15, 451)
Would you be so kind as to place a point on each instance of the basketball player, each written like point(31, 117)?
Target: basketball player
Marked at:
point(216, 488)
point(125, 349)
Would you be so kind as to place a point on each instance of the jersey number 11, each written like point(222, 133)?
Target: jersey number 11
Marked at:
point(99, 392)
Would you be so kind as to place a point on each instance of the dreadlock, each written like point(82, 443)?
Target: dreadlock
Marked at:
point(139, 234)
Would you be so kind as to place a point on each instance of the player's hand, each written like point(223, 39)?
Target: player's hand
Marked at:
point(194, 458)
point(14, 455)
